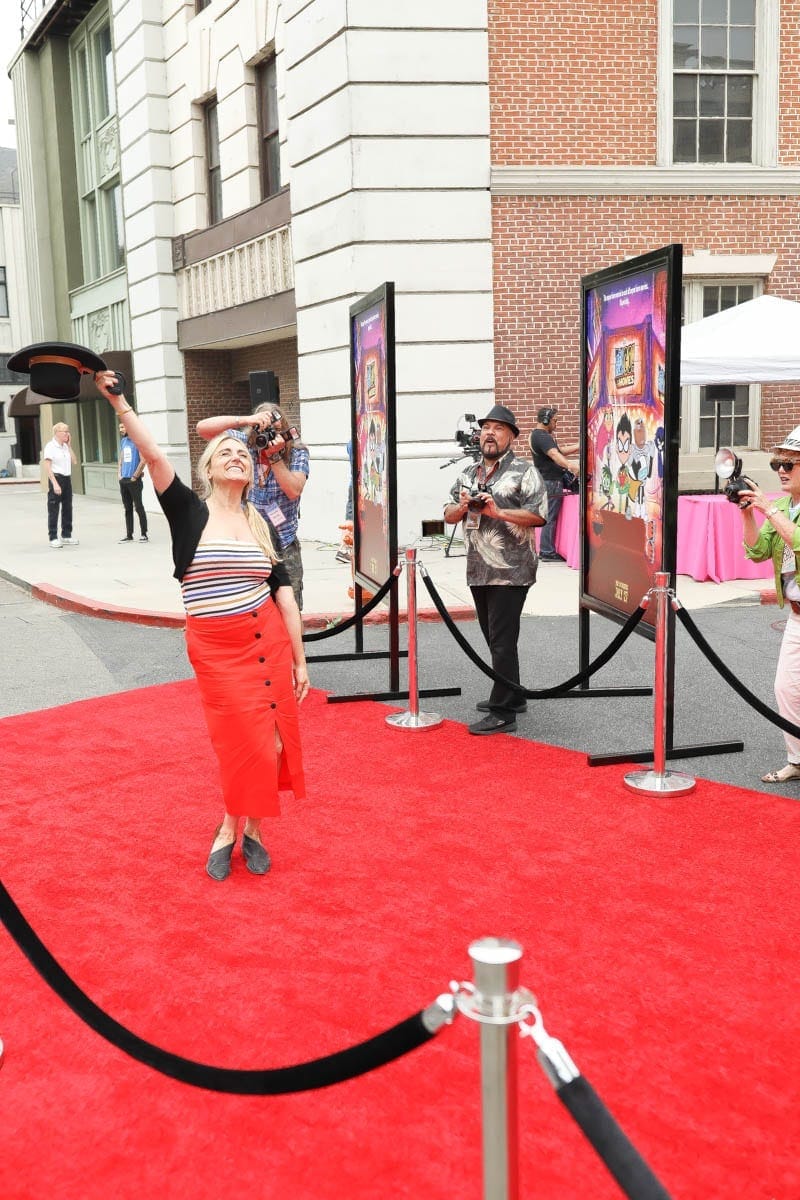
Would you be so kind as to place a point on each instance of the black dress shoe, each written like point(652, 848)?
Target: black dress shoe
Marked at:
point(219, 863)
point(485, 706)
point(494, 724)
point(552, 558)
point(255, 856)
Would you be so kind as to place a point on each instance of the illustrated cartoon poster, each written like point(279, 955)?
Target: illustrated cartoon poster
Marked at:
point(629, 332)
point(372, 375)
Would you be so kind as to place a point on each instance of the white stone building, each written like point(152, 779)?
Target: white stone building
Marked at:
point(231, 175)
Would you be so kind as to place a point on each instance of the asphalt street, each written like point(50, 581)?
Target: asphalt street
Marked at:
point(53, 657)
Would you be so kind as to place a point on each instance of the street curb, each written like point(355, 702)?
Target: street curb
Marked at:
point(71, 602)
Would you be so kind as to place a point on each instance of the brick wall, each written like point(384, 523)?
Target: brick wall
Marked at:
point(573, 83)
point(217, 382)
point(280, 357)
point(543, 245)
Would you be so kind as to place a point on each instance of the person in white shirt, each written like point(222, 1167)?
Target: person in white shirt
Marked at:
point(58, 459)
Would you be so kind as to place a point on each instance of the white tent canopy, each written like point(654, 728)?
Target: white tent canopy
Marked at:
point(754, 342)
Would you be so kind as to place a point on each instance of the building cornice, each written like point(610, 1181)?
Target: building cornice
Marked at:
point(645, 181)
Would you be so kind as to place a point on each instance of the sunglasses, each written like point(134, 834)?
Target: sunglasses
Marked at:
point(783, 464)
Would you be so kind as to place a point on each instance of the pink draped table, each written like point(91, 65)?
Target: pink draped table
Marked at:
point(709, 539)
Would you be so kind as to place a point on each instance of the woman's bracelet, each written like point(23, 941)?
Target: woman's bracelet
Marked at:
point(771, 512)
point(121, 411)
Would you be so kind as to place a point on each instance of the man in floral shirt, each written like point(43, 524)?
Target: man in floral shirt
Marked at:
point(499, 526)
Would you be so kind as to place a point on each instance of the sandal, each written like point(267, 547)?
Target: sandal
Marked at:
point(790, 771)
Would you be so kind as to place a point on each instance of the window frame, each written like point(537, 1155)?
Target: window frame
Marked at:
point(765, 93)
point(267, 137)
point(691, 394)
point(91, 56)
point(213, 161)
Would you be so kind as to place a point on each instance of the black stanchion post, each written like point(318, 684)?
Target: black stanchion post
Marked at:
point(659, 781)
point(413, 719)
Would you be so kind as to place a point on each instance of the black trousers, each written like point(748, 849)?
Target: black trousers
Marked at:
point(62, 502)
point(131, 492)
point(499, 610)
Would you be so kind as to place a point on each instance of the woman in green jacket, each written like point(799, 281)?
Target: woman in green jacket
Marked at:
point(779, 539)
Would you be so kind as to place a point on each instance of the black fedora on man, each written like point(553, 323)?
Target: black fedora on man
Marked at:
point(500, 499)
point(501, 413)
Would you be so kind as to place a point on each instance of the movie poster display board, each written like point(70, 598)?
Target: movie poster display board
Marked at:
point(374, 438)
point(630, 406)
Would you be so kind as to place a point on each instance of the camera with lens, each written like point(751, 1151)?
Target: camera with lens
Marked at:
point(263, 437)
point(468, 435)
point(728, 467)
point(477, 497)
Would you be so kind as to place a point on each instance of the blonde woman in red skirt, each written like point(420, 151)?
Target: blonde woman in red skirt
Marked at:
point(243, 632)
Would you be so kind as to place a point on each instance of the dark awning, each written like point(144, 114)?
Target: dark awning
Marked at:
point(26, 403)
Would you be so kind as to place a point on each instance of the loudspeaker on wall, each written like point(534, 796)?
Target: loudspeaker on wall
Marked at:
point(264, 388)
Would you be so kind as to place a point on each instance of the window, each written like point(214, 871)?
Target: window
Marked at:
point(104, 73)
point(3, 293)
point(269, 144)
point(714, 73)
point(201, 4)
point(114, 223)
point(94, 108)
point(214, 176)
point(720, 414)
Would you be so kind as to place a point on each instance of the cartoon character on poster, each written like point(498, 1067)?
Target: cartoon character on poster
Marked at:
point(638, 467)
point(624, 438)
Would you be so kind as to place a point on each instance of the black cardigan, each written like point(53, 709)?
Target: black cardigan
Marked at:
point(187, 516)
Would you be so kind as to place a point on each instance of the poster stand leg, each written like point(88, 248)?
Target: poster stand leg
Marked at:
point(671, 751)
point(394, 655)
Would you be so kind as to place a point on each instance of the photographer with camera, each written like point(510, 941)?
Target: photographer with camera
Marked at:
point(501, 499)
point(551, 463)
point(779, 539)
point(280, 472)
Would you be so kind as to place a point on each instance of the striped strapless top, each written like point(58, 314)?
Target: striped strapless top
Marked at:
point(225, 578)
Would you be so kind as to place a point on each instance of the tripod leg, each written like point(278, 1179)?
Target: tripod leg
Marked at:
point(449, 545)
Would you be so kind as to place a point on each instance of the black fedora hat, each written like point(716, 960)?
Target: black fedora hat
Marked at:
point(501, 413)
point(55, 368)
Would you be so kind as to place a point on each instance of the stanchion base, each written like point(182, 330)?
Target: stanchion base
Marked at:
point(409, 720)
point(671, 783)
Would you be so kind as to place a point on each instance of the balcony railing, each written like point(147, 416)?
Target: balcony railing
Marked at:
point(29, 13)
point(256, 269)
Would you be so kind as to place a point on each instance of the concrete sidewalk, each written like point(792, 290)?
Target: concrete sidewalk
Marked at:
point(133, 581)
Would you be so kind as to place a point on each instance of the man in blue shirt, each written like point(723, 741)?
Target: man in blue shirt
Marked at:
point(280, 472)
point(130, 469)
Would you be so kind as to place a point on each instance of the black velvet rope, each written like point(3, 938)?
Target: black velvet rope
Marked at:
point(729, 677)
point(362, 612)
point(303, 1077)
point(612, 1145)
point(542, 693)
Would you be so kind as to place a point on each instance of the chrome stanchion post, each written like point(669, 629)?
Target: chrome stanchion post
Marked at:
point(658, 780)
point(413, 719)
point(496, 1002)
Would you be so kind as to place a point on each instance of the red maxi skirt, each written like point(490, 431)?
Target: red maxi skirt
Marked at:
point(243, 665)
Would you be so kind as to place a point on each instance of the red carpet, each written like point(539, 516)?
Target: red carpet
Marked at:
point(660, 937)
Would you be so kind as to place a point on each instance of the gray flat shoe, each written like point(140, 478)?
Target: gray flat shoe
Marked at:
point(255, 856)
point(219, 863)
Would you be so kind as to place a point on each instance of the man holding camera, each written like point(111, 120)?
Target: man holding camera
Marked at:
point(501, 499)
point(280, 472)
point(551, 463)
